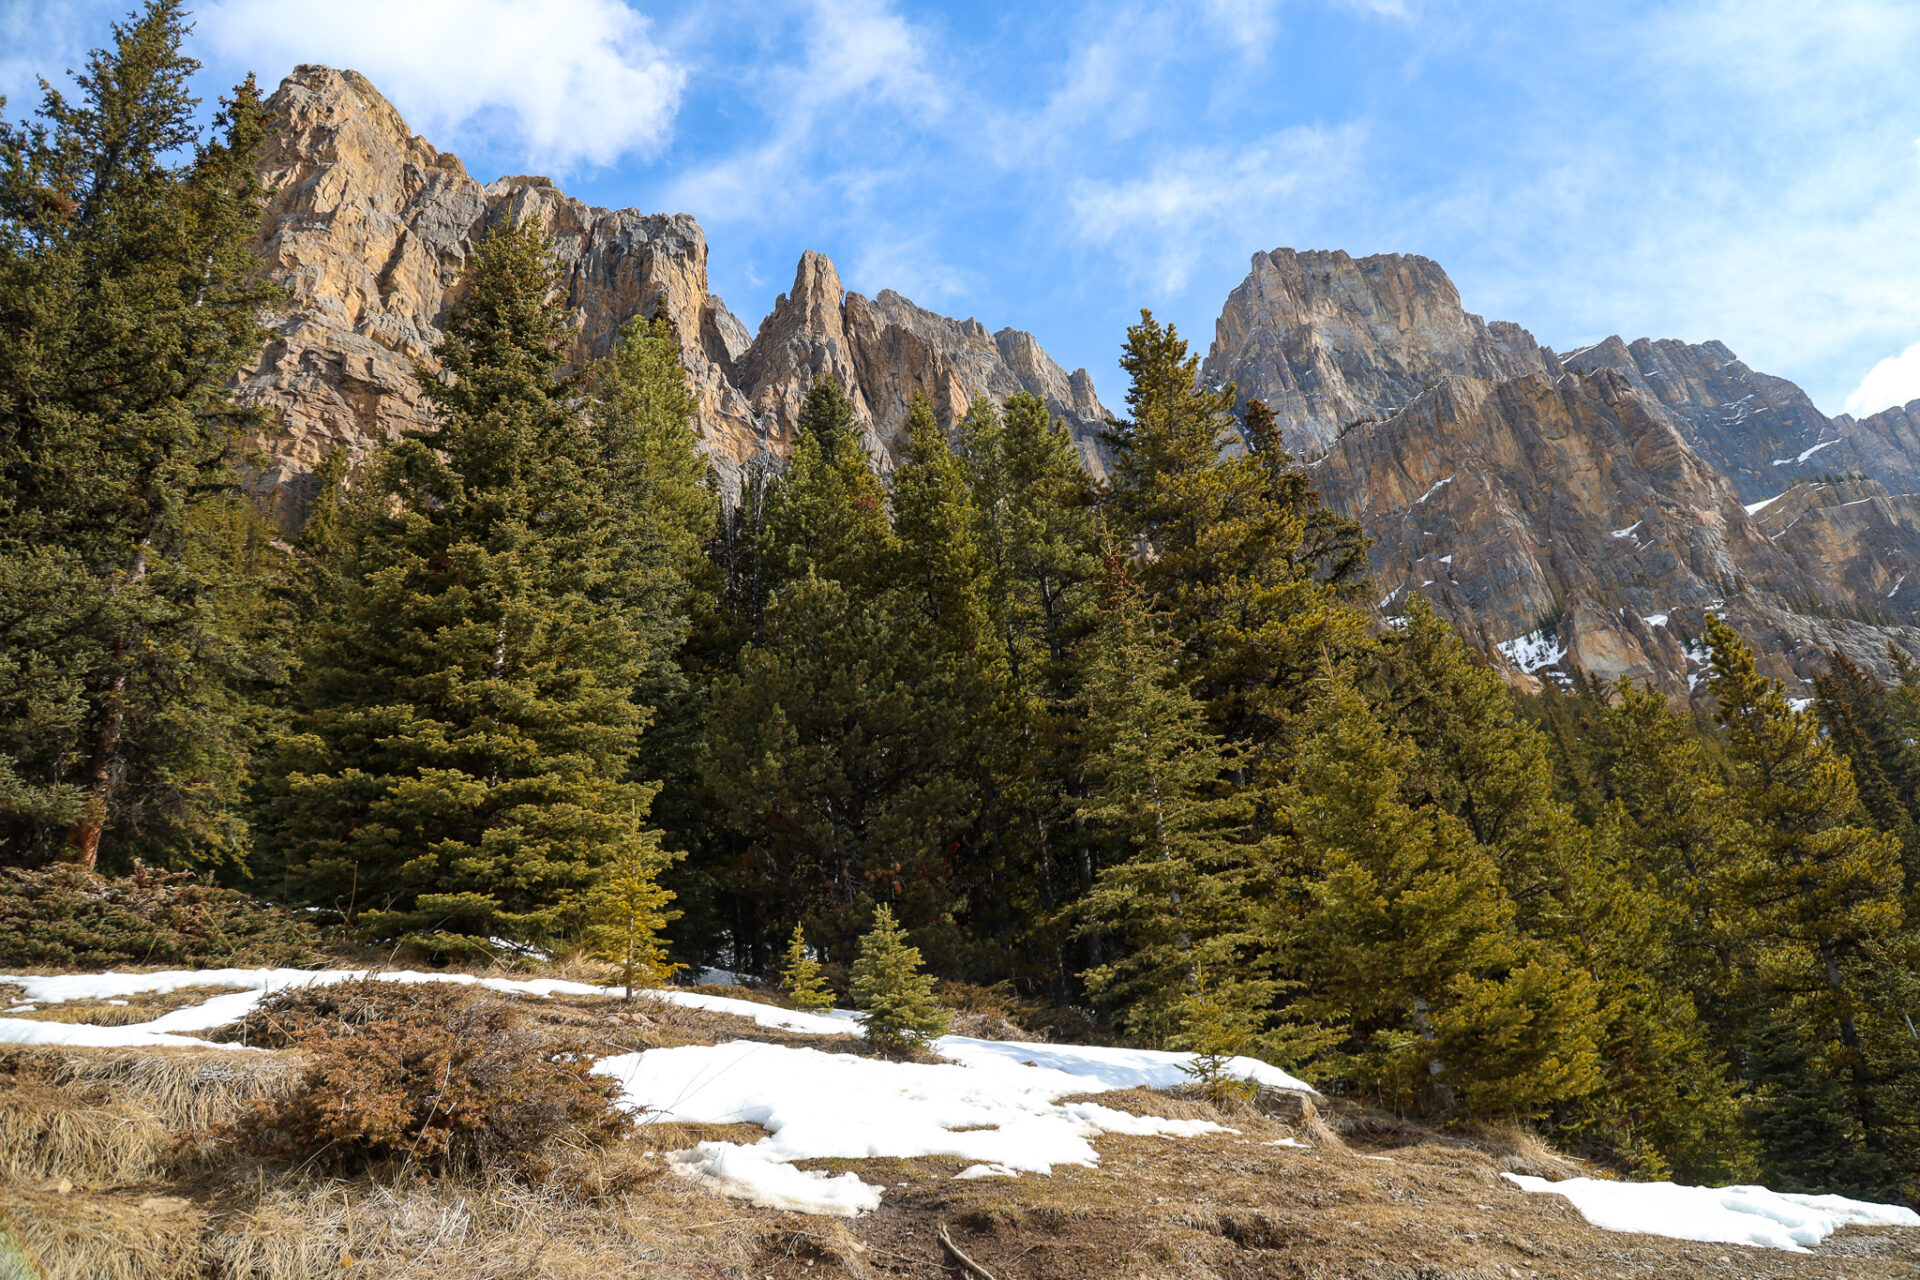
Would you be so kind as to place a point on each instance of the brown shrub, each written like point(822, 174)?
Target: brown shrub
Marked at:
point(438, 1076)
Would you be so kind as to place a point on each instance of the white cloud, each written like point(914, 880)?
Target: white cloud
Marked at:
point(1217, 203)
point(1894, 381)
point(568, 82)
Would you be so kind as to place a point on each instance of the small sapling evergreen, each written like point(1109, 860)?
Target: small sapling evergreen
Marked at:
point(800, 977)
point(889, 987)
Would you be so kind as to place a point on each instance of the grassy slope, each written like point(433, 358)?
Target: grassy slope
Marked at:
point(106, 1171)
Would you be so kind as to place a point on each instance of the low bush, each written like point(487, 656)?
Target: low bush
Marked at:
point(62, 916)
point(433, 1076)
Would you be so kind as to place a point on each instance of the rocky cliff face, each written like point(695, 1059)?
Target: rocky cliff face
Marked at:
point(1580, 511)
point(1326, 339)
point(368, 229)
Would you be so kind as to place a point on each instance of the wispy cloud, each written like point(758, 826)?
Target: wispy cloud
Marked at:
point(1201, 204)
point(564, 83)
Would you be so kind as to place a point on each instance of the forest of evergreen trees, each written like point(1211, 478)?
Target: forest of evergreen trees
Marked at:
point(1139, 747)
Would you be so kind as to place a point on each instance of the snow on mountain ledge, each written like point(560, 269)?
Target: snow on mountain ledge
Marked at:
point(1720, 1215)
point(993, 1103)
point(1533, 651)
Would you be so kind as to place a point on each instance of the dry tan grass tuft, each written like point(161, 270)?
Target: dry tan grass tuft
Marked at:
point(106, 1117)
point(101, 1237)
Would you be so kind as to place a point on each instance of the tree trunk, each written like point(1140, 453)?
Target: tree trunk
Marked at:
point(84, 837)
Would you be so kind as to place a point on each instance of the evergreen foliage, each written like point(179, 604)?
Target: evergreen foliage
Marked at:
point(466, 719)
point(800, 976)
point(136, 631)
point(1137, 748)
point(889, 987)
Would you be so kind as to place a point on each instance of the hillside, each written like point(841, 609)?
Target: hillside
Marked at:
point(759, 1133)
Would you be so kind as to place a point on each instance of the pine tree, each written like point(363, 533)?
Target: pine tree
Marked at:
point(1404, 945)
point(1819, 897)
point(901, 1013)
point(827, 516)
point(133, 625)
point(1180, 887)
point(625, 911)
point(465, 722)
point(1862, 723)
point(1257, 578)
point(800, 977)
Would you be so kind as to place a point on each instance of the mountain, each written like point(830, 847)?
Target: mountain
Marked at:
point(1569, 511)
point(367, 230)
point(1580, 511)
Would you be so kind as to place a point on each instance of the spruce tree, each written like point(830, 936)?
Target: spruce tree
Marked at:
point(1038, 536)
point(1180, 887)
point(888, 986)
point(133, 627)
point(1404, 945)
point(1861, 721)
point(625, 911)
point(800, 976)
point(465, 722)
point(1819, 897)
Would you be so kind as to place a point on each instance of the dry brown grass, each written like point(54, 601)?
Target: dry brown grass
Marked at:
point(107, 1117)
point(143, 1007)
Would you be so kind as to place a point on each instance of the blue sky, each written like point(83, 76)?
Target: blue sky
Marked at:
point(1747, 170)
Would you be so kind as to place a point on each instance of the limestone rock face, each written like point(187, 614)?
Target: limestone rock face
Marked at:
point(1885, 446)
point(1326, 339)
point(1761, 432)
point(885, 351)
point(1587, 511)
point(368, 229)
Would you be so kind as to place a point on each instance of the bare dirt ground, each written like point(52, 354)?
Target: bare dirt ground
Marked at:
point(100, 1179)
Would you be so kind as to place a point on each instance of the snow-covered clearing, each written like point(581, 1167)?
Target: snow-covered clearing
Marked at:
point(992, 1102)
point(1721, 1215)
point(254, 985)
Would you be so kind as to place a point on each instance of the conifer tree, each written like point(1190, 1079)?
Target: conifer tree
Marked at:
point(800, 976)
point(465, 721)
point(1861, 722)
point(1404, 945)
point(1819, 897)
point(626, 909)
point(888, 986)
point(1257, 578)
point(132, 623)
point(1180, 887)
point(827, 516)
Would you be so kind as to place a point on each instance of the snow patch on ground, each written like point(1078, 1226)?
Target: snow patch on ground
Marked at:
point(993, 1103)
point(1655, 619)
point(1755, 508)
point(254, 985)
point(1533, 651)
point(1629, 531)
point(1719, 1215)
point(1438, 485)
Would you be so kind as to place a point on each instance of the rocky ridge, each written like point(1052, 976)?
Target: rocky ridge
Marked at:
point(368, 227)
point(1580, 511)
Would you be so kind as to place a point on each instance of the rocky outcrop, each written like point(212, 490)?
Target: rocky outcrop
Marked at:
point(1885, 446)
point(1584, 513)
point(368, 229)
point(885, 352)
point(1326, 340)
point(1760, 432)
